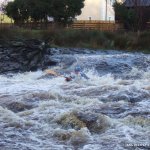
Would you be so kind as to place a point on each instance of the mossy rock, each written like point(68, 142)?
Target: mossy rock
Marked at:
point(96, 123)
point(71, 121)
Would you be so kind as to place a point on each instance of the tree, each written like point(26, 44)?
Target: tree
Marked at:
point(17, 10)
point(63, 11)
point(38, 10)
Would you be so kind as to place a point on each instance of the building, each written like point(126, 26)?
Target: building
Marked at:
point(142, 9)
point(98, 10)
point(139, 3)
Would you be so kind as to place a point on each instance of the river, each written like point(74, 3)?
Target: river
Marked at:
point(109, 111)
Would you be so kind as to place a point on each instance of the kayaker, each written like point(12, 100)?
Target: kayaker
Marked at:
point(77, 74)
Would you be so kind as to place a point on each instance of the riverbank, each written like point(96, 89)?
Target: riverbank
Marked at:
point(83, 38)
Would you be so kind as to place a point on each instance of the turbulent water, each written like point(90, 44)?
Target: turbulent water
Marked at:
point(110, 111)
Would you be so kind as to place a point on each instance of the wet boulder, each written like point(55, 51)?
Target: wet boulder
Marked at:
point(70, 121)
point(18, 107)
point(93, 121)
point(24, 55)
point(48, 61)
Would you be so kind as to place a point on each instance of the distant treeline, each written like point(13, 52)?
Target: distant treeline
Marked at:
point(62, 11)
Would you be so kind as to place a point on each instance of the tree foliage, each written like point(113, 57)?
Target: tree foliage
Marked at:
point(62, 11)
point(66, 10)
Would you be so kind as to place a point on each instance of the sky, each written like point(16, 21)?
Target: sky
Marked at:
point(96, 10)
point(1, 1)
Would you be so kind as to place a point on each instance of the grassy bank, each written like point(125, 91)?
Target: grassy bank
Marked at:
point(84, 38)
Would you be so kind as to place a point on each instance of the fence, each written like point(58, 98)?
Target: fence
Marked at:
point(97, 25)
point(6, 25)
point(88, 25)
point(148, 25)
point(80, 24)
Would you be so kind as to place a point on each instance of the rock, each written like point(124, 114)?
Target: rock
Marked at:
point(48, 61)
point(70, 121)
point(31, 55)
point(18, 107)
point(24, 55)
point(93, 121)
point(33, 63)
point(17, 44)
point(87, 118)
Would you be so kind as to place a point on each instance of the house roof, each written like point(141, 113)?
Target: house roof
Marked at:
point(132, 3)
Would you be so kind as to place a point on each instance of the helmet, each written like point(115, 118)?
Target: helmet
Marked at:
point(77, 69)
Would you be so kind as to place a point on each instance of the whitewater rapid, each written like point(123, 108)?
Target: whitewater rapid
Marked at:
point(110, 111)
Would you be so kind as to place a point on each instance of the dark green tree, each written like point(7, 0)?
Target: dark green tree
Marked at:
point(17, 10)
point(38, 9)
point(64, 11)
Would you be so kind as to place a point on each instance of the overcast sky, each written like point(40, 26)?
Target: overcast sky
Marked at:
point(1, 1)
point(4, 1)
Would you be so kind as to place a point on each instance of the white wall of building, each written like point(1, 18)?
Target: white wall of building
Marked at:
point(96, 9)
point(90, 10)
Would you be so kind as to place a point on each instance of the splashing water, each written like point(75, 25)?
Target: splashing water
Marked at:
point(109, 111)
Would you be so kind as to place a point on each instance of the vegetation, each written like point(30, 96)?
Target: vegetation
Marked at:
point(134, 18)
point(83, 38)
point(62, 11)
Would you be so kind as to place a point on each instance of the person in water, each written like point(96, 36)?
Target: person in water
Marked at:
point(77, 74)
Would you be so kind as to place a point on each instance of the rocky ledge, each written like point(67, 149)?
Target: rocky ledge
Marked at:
point(24, 55)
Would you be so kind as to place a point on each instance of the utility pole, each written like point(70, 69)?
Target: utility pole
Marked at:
point(106, 10)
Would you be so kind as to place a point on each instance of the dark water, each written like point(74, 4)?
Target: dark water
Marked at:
point(110, 111)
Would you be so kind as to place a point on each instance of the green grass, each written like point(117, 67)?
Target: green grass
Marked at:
point(83, 38)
